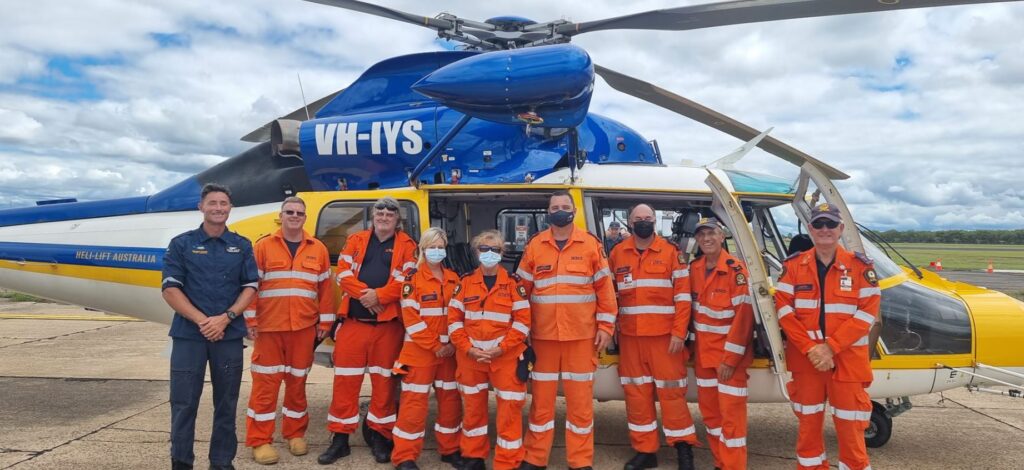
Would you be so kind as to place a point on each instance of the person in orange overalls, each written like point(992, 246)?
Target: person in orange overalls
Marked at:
point(724, 323)
point(572, 298)
point(427, 358)
point(827, 299)
point(294, 306)
point(654, 316)
point(370, 272)
point(489, 320)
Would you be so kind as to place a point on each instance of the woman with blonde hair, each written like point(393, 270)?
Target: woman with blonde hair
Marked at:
point(489, 319)
point(427, 357)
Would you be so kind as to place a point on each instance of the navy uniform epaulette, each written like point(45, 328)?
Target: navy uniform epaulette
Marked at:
point(865, 258)
point(732, 264)
point(410, 273)
point(261, 238)
point(516, 277)
point(794, 255)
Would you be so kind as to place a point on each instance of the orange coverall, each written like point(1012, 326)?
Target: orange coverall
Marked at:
point(424, 305)
point(485, 319)
point(294, 295)
point(724, 324)
point(361, 346)
point(654, 305)
point(571, 296)
point(852, 299)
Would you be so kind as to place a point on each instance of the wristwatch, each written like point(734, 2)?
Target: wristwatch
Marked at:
point(231, 315)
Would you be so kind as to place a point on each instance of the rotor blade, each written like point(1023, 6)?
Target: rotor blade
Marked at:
point(709, 117)
point(749, 11)
point(262, 134)
point(355, 5)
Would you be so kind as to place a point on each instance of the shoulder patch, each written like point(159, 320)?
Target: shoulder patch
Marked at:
point(406, 290)
point(865, 258)
point(871, 277)
point(730, 262)
point(521, 291)
point(458, 289)
point(741, 279)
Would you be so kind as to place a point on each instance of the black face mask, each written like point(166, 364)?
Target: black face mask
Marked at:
point(643, 228)
point(560, 218)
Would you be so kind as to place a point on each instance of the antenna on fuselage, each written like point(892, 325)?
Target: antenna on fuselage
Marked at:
point(304, 105)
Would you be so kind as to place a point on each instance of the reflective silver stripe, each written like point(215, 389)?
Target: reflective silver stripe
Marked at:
point(444, 430)
point(249, 313)
point(443, 338)
point(258, 369)
point(707, 382)
point(864, 317)
point(349, 371)
point(260, 416)
point(740, 300)
point(408, 265)
point(784, 287)
point(524, 275)
point(869, 291)
point(863, 341)
point(679, 432)
point(274, 275)
point(486, 344)
point(474, 389)
point(385, 420)
point(843, 466)
point(730, 390)
point(605, 317)
point(849, 415)
point(644, 379)
point(344, 274)
point(714, 431)
point(415, 388)
point(578, 376)
point(478, 315)
point(397, 274)
point(457, 304)
point(481, 431)
point(643, 427)
point(271, 293)
point(521, 328)
point(292, 413)
point(416, 328)
point(409, 436)
point(691, 336)
point(563, 299)
point(512, 396)
point(736, 442)
point(641, 309)
point(722, 330)
point(520, 304)
point(683, 298)
point(347, 258)
point(812, 461)
point(324, 276)
point(563, 279)
point(544, 376)
point(259, 273)
point(735, 348)
point(445, 385)
point(542, 427)
point(808, 409)
point(171, 279)
point(328, 317)
point(680, 273)
point(649, 283)
point(432, 312)
point(579, 430)
point(716, 314)
point(379, 371)
point(785, 310)
point(840, 308)
point(352, 420)
point(815, 334)
point(254, 285)
point(410, 303)
point(681, 383)
point(604, 272)
point(806, 303)
point(509, 444)
point(454, 326)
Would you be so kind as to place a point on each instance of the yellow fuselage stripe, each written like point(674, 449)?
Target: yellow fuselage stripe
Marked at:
point(134, 277)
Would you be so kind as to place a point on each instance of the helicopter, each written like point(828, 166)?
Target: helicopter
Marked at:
point(475, 139)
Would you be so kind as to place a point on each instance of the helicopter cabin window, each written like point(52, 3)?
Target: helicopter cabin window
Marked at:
point(519, 225)
point(340, 219)
point(918, 320)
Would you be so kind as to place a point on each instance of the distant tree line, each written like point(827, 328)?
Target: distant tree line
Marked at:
point(984, 237)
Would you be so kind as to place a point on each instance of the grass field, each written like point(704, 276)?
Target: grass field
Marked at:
point(963, 257)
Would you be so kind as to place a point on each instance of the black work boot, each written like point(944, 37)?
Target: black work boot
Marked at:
point(473, 464)
point(642, 460)
point(529, 466)
point(684, 451)
point(381, 448)
point(454, 459)
point(339, 448)
point(407, 465)
point(179, 465)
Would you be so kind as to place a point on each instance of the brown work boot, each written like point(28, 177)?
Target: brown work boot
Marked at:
point(297, 446)
point(264, 454)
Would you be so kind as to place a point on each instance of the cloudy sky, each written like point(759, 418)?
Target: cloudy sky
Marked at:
point(110, 98)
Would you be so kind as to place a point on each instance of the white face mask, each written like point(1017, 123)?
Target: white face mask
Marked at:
point(434, 255)
point(490, 259)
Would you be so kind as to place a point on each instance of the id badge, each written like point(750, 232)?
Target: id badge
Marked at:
point(627, 281)
point(845, 283)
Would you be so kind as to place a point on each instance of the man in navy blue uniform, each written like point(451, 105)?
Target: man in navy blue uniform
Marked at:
point(209, 276)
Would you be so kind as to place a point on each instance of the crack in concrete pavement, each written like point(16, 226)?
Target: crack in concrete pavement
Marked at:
point(36, 340)
point(985, 414)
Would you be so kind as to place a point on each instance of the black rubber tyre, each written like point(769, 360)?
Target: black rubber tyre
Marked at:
point(880, 429)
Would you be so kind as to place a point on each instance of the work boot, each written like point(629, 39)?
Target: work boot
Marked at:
point(408, 465)
point(222, 467)
point(454, 459)
point(588, 467)
point(684, 451)
point(264, 454)
point(339, 448)
point(473, 464)
point(297, 446)
point(381, 449)
point(179, 465)
point(642, 460)
point(529, 466)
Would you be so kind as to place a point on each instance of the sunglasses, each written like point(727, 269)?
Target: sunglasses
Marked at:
point(485, 249)
point(381, 206)
point(822, 223)
point(298, 213)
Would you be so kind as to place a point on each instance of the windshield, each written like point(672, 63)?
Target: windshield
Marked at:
point(884, 266)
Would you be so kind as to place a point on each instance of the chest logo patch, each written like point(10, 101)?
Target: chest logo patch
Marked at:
point(803, 287)
point(428, 297)
point(234, 249)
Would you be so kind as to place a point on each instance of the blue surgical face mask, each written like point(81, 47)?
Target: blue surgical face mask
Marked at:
point(490, 259)
point(434, 255)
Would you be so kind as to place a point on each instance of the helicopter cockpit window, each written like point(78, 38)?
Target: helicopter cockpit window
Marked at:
point(339, 220)
point(518, 225)
point(918, 320)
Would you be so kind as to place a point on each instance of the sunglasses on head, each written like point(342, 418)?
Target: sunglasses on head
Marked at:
point(291, 212)
point(822, 223)
point(383, 206)
point(485, 249)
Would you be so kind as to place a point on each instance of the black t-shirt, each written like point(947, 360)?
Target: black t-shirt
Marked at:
point(375, 271)
point(490, 280)
point(561, 243)
point(293, 246)
point(822, 272)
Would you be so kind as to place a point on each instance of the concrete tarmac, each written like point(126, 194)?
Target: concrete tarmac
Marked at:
point(94, 394)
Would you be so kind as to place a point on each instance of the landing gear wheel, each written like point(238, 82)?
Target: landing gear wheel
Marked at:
point(879, 429)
